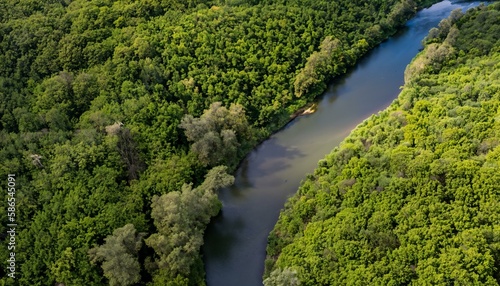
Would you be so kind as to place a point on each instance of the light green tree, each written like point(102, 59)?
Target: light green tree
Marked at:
point(181, 218)
point(282, 277)
point(119, 256)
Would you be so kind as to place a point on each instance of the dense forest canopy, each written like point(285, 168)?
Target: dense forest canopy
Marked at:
point(121, 119)
point(412, 195)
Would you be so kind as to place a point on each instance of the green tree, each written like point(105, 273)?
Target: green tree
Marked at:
point(180, 218)
point(119, 256)
point(285, 277)
point(217, 133)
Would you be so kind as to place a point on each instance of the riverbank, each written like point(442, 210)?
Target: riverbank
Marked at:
point(235, 241)
point(357, 219)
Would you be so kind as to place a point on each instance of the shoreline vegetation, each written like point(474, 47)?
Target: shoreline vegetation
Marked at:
point(411, 195)
point(121, 119)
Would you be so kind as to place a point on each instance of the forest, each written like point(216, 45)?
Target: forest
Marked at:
point(411, 196)
point(121, 119)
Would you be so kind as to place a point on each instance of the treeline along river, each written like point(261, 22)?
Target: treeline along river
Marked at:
point(235, 242)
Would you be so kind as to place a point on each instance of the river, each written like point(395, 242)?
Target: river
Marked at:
point(235, 241)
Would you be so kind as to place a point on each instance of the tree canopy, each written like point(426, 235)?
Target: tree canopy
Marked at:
point(113, 112)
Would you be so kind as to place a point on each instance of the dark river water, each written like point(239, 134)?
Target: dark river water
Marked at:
point(235, 241)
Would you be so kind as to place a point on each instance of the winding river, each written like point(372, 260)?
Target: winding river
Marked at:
point(235, 241)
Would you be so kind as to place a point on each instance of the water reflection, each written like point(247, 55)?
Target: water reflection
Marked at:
point(226, 229)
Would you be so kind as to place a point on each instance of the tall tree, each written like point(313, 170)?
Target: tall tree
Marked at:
point(217, 134)
point(119, 256)
point(180, 218)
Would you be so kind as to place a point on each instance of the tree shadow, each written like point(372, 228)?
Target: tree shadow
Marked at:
point(271, 156)
point(221, 236)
